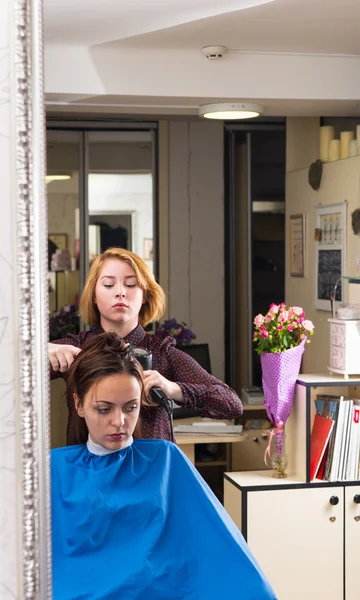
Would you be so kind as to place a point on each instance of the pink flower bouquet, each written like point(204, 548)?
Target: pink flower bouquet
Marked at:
point(280, 338)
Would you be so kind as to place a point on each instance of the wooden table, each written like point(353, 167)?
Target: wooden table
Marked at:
point(187, 441)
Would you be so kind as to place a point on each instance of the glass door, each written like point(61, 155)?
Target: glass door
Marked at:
point(63, 198)
point(101, 190)
point(121, 193)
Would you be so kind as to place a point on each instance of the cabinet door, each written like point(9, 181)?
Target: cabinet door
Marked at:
point(296, 536)
point(352, 543)
point(249, 455)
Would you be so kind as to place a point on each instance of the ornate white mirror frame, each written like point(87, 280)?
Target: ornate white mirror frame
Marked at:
point(25, 547)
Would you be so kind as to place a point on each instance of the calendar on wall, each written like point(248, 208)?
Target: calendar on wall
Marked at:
point(330, 254)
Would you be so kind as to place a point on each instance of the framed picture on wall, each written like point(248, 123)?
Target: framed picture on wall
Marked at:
point(59, 239)
point(297, 245)
point(148, 249)
point(330, 254)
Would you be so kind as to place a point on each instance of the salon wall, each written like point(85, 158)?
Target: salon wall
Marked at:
point(194, 172)
point(8, 480)
point(340, 182)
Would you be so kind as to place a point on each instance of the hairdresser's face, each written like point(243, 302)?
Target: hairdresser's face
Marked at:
point(118, 296)
point(111, 409)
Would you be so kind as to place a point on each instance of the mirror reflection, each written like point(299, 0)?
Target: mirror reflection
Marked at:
point(135, 509)
point(172, 239)
point(63, 202)
point(116, 429)
point(109, 202)
point(120, 193)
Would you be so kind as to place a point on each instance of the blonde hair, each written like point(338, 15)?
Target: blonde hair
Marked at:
point(154, 296)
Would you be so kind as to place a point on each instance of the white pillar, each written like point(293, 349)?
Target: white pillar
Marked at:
point(9, 558)
point(24, 506)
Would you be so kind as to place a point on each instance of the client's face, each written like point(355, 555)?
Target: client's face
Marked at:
point(111, 409)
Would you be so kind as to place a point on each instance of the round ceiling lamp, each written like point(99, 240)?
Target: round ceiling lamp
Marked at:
point(230, 110)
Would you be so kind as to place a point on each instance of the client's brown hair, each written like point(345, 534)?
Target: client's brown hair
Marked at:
point(101, 356)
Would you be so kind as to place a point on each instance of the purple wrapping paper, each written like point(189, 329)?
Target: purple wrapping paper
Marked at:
point(279, 374)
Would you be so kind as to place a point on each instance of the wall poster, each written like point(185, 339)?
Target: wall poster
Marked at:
point(330, 236)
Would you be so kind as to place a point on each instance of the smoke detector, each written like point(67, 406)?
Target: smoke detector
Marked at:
point(214, 52)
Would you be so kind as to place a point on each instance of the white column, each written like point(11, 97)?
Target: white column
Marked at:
point(9, 576)
point(25, 561)
point(196, 232)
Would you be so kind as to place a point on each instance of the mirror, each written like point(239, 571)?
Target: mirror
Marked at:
point(72, 184)
point(104, 201)
point(120, 192)
point(24, 443)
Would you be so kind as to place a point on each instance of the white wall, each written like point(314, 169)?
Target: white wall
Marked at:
point(196, 238)
point(8, 483)
point(125, 193)
point(340, 182)
point(61, 216)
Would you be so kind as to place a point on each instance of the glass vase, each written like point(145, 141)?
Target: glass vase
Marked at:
point(278, 456)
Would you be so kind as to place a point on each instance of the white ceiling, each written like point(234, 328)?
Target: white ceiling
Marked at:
point(311, 26)
point(93, 22)
point(265, 27)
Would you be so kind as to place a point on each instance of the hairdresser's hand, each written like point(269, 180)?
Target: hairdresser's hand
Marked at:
point(62, 356)
point(171, 389)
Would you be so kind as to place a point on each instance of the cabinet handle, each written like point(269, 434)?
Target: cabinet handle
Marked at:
point(357, 518)
point(357, 498)
point(332, 519)
point(334, 500)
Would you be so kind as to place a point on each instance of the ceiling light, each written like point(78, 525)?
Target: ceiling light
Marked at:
point(50, 178)
point(230, 110)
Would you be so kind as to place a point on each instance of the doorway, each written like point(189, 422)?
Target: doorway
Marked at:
point(101, 192)
point(254, 239)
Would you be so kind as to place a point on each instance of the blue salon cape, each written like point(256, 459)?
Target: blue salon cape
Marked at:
point(141, 524)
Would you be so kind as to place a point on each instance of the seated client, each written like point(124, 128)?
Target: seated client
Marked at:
point(133, 519)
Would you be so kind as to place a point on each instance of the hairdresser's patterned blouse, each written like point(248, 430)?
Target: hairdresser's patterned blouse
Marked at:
point(201, 391)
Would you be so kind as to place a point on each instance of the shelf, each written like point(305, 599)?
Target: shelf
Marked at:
point(64, 271)
point(351, 278)
point(209, 438)
point(312, 380)
point(340, 160)
point(249, 479)
point(248, 407)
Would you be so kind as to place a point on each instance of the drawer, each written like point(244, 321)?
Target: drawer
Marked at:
point(338, 334)
point(337, 357)
point(249, 455)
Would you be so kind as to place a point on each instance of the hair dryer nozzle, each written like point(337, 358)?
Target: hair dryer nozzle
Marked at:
point(144, 357)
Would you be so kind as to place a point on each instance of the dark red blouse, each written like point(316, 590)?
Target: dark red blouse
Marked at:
point(203, 392)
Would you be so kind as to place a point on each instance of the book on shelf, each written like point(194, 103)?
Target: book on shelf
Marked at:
point(351, 461)
point(320, 436)
point(340, 459)
point(344, 450)
point(321, 471)
point(352, 466)
point(327, 405)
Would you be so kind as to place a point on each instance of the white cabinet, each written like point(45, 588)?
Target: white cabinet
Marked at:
point(295, 534)
point(352, 542)
point(344, 346)
point(305, 536)
point(310, 530)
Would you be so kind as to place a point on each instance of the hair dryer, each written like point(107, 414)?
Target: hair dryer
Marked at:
point(144, 357)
